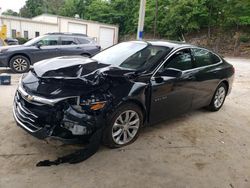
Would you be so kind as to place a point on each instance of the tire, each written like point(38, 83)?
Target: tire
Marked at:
point(123, 134)
point(19, 64)
point(218, 98)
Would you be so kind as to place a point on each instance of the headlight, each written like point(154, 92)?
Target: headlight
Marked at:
point(97, 105)
point(89, 104)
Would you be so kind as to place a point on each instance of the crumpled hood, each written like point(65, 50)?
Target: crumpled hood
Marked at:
point(71, 76)
point(66, 67)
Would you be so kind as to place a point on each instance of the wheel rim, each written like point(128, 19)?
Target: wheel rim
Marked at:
point(20, 64)
point(219, 97)
point(125, 127)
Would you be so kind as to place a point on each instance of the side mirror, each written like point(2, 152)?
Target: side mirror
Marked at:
point(171, 72)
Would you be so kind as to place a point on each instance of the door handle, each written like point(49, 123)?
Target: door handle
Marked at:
point(78, 48)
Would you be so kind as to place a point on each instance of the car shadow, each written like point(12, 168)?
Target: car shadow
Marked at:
point(6, 70)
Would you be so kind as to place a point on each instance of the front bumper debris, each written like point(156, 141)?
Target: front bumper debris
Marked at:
point(44, 121)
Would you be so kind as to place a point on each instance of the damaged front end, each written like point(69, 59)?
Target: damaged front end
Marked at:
point(69, 119)
point(69, 99)
point(69, 108)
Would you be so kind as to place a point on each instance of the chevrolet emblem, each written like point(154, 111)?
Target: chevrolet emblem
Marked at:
point(29, 98)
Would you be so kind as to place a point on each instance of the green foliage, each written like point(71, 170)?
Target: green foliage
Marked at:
point(174, 19)
point(244, 38)
point(10, 12)
point(21, 40)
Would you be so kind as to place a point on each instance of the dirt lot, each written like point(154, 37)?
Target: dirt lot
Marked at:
point(198, 149)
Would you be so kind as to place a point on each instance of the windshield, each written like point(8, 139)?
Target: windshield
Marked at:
point(133, 55)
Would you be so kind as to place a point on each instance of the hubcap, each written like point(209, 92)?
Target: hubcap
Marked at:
point(20, 64)
point(125, 127)
point(219, 97)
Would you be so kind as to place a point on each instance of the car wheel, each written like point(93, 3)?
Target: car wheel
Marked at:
point(218, 98)
point(19, 64)
point(123, 126)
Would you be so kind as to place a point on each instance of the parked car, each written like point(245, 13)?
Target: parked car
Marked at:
point(11, 41)
point(19, 58)
point(119, 90)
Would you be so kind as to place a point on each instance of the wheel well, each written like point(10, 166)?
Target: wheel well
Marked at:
point(137, 103)
point(18, 55)
point(226, 83)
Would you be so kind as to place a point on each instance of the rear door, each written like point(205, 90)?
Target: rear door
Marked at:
point(206, 74)
point(70, 46)
point(172, 95)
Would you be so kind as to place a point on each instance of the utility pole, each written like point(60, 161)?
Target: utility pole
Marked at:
point(141, 20)
point(156, 17)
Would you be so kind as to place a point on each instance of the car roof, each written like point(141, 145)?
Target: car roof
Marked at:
point(167, 43)
point(170, 44)
point(68, 34)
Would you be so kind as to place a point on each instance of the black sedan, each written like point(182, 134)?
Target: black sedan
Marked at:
point(119, 90)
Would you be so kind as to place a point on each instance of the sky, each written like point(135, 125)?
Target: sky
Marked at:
point(11, 4)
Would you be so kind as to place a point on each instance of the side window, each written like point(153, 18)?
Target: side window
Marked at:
point(68, 41)
point(203, 57)
point(83, 41)
point(181, 60)
point(49, 40)
point(215, 58)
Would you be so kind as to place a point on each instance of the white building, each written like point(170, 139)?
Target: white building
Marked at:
point(105, 34)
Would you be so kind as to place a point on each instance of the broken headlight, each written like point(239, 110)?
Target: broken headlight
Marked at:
point(91, 104)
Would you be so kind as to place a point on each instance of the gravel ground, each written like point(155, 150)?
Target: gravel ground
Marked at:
point(198, 149)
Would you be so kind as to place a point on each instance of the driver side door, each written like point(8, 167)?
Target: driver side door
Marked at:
point(49, 48)
point(172, 87)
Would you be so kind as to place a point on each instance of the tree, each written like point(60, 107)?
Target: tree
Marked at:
point(10, 12)
point(164, 18)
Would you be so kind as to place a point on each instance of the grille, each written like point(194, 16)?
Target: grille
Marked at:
point(24, 116)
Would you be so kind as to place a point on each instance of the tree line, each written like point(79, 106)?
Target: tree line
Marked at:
point(164, 18)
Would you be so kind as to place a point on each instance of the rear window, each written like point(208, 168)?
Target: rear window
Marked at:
point(68, 41)
point(204, 57)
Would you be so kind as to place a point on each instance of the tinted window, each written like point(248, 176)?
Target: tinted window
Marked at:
point(215, 58)
point(68, 41)
point(181, 60)
point(49, 40)
point(203, 57)
point(83, 41)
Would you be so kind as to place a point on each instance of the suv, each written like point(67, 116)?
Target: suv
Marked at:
point(20, 57)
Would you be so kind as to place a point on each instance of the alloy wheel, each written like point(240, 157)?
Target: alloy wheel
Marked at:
point(20, 64)
point(219, 97)
point(125, 127)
